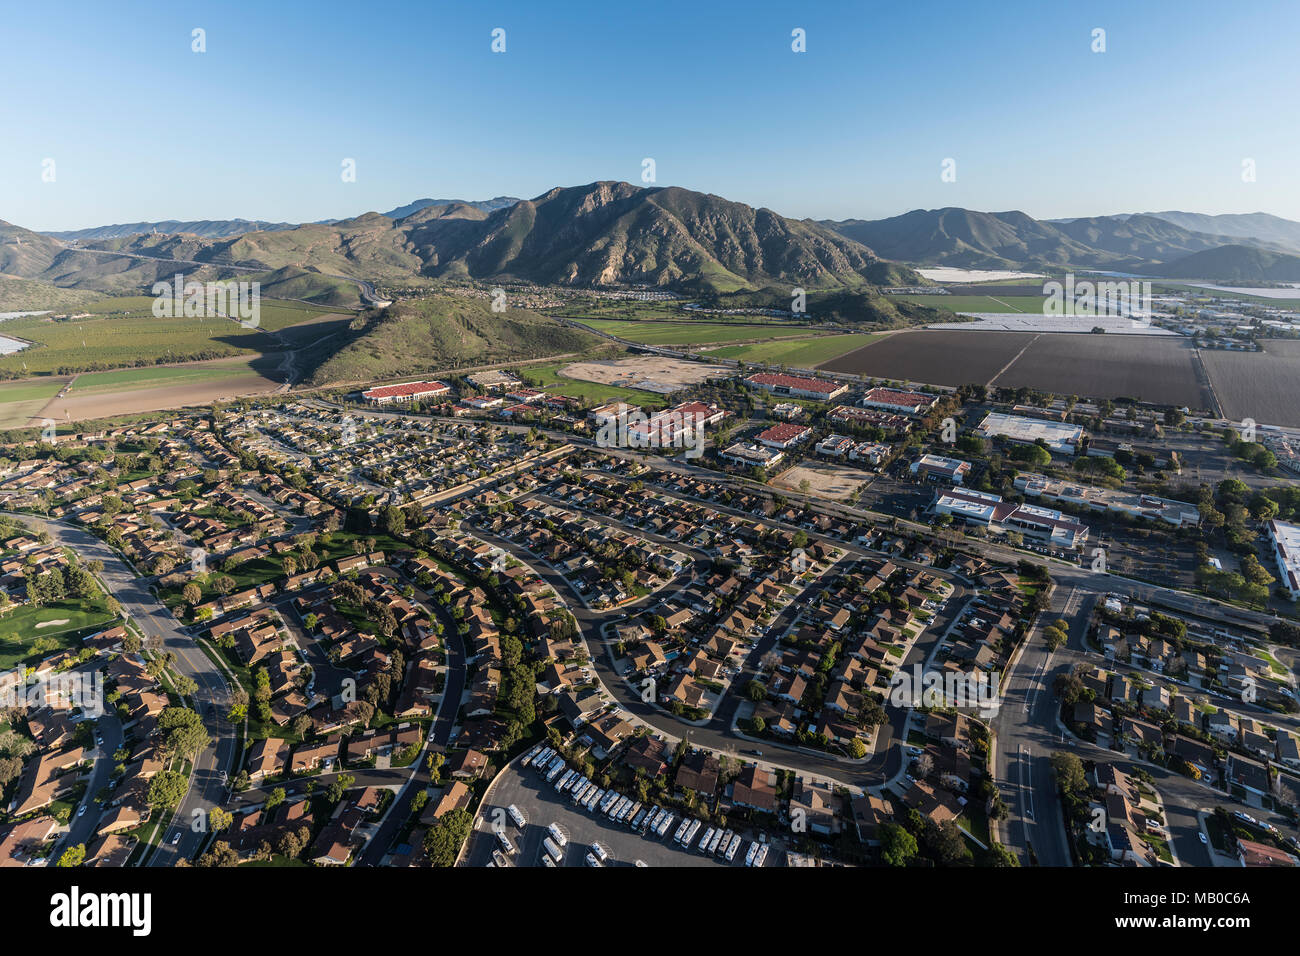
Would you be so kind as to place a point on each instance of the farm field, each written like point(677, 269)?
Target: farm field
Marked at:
point(935, 358)
point(200, 384)
point(120, 332)
point(692, 333)
point(979, 303)
point(159, 375)
point(800, 353)
point(1152, 368)
point(1258, 386)
point(273, 315)
point(1157, 369)
point(20, 401)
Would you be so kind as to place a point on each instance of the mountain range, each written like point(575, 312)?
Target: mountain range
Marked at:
point(600, 234)
point(614, 233)
point(1145, 243)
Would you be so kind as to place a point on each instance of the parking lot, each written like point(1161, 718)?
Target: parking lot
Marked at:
point(541, 806)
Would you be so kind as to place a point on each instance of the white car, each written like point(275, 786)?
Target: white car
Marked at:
point(81, 810)
point(1202, 836)
point(176, 839)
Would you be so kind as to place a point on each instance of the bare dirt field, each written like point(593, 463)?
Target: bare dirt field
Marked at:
point(826, 481)
point(1261, 386)
point(644, 372)
point(1157, 369)
point(935, 358)
point(128, 401)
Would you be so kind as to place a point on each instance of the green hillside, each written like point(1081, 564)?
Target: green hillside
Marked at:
point(441, 332)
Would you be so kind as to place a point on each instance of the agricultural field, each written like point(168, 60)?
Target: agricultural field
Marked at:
point(1151, 368)
point(694, 333)
point(979, 303)
point(20, 401)
point(157, 376)
point(161, 387)
point(798, 353)
point(1258, 385)
point(936, 358)
point(1158, 369)
point(119, 332)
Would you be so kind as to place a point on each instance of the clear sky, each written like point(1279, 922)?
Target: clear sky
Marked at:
point(140, 127)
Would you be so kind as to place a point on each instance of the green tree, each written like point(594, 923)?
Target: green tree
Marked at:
point(897, 846)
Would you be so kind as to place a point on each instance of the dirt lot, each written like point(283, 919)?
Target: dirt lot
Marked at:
point(1151, 368)
point(826, 481)
point(128, 401)
point(643, 372)
point(1258, 385)
point(936, 358)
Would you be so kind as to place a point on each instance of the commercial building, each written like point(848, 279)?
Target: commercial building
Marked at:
point(939, 468)
point(784, 436)
point(404, 392)
point(873, 453)
point(1180, 514)
point(796, 385)
point(989, 511)
point(752, 455)
point(1057, 436)
point(835, 446)
point(869, 418)
point(1285, 539)
point(898, 402)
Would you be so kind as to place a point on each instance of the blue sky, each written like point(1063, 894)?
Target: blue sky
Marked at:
point(141, 128)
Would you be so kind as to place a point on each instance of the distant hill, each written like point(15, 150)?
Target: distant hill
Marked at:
point(1256, 225)
point(1233, 263)
point(32, 295)
point(851, 306)
point(601, 234)
point(484, 205)
point(966, 238)
point(206, 228)
point(443, 332)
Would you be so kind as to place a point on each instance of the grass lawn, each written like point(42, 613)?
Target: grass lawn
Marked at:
point(1161, 847)
point(976, 823)
point(21, 627)
point(548, 377)
point(800, 353)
